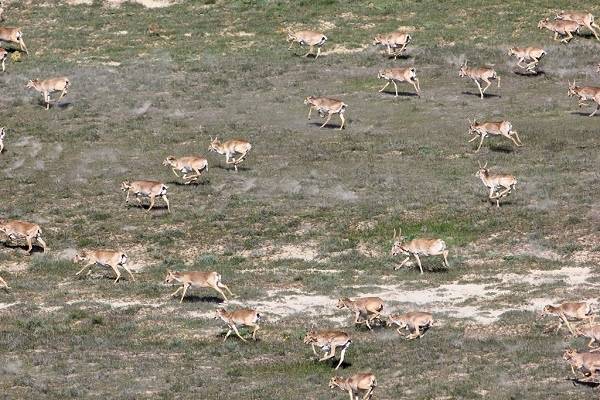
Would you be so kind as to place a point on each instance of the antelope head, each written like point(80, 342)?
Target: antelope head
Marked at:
point(171, 276)
point(311, 336)
point(398, 241)
point(2, 133)
point(543, 23)
point(220, 312)
point(169, 161)
point(335, 381)
point(215, 144)
point(463, 70)
point(483, 171)
point(125, 186)
point(32, 83)
point(377, 40)
point(572, 89)
point(473, 126)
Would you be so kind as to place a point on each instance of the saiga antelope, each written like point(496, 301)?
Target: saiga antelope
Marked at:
point(531, 54)
point(479, 74)
point(393, 41)
point(328, 341)
point(185, 165)
point(196, 279)
point(230, 148)
point(244, 317)
point(585, 93)
point(564, 311)
point(105, 258)
point(418, 247)
point(369, 308)
point(3, 284)
point(559, 27)
point(2, 136)
point(413, 321)
point(49, 86)
point(150, 189)
point(13, 35)
point(362, 382)
point(394, 75)
point(500, 128)
point(582, 18)
point(326, 106)
point(588, 363)
point(500, 185)
point(307, 38)
point(3, 57)
point(15, 230)
point(592, 332)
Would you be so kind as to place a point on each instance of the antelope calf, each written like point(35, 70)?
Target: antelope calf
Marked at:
point(198, 280)
point(394, 75)
point(230, 148)
point(2, 136)
point(566, 311)
point(500, 185)
point(307, 38)
point(244, 317)
point(582, 18)
point(393, 41)
point(418, 247)
point(479, 74)
point(3, 284)
point(328, 341)
point(13, 35)
point(185, 165)
point(150, 189)
point(49, 86)
point(3, 57)
point(16, 230)
point(559, 27)
point(588, 363)
point(326, 106)
point(413, 321)
point(369, 308)
point(592, 332)
point(500, 128)
point(585, 93)
point(531, 54)
point(363, 382)
point(105, 258)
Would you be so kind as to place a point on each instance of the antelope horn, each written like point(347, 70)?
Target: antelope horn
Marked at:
point(479, 162)
point(394, 234)
point(485, 165)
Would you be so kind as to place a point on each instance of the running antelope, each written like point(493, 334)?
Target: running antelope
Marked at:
point(3, 57)
point(230, 148)
point(150, 189)
point(479, 74)
point(326, 106)
point(582, 18)
point(592, 332)
point(15, 230)
point(585, 93)
point(307, 38)
point(394, 75)
point(105, 258)
point(3, 284)
point(185, 165)
point(363, 382)
point(369, 308)
point(418, 247)
point(393, 41)
point(500, 128)
point(13, 35)
point(587, 362)
point(559, 27)
point(196, 279)
point(500, 185)
point(566, 311)
point(531, 54)
point(413, 321)
point(328, 341)
point(2, 136)
point(49, 86)
point(243, 316)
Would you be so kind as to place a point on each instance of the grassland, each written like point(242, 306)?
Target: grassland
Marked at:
point(310, 216)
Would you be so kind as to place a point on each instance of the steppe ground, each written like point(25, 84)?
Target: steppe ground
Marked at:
point(310, 217)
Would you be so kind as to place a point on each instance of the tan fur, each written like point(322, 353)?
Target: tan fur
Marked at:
point(185, 165)
point(479, 74)
point(369, 308)
point(562, 28)
point(198, 280)
point(362, 382)
point(500, 185)
point(394, 75)
point(418, 247)
point(570, 311)
point(500, 128)
point(49, 86)
point(326, 106)
point(392, 41)
point(150, 189)
point(413, 321)
point(106, 258)
point(15, 230)
point(328, 341)
point(585, 93)
point(588, 363)
point(2, 136)
point(3, 58)
point(307, 38)
point(590, 331)
point(230, 148)
point(531, 54)
point(243, 316)
point(13, 35)
point(582, 18)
